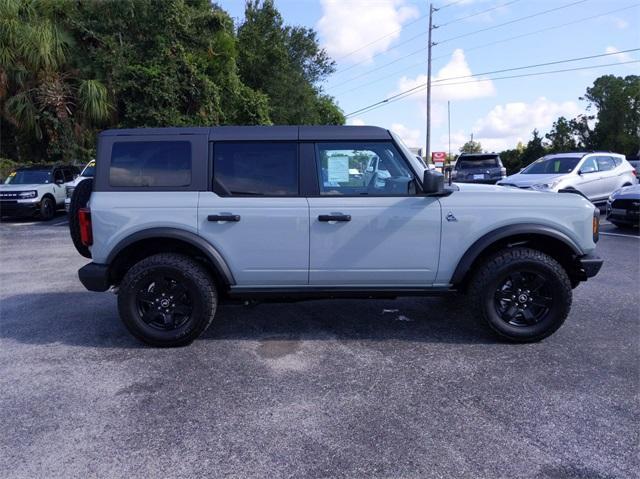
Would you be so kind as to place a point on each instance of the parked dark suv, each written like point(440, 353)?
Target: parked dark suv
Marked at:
point(478, 168)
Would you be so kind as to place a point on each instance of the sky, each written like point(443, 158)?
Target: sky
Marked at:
point(380, 49)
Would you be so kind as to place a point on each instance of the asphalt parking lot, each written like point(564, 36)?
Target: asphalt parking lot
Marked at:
point(408, 388)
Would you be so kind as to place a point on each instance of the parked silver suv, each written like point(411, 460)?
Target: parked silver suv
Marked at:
point(596, 175)
point(177, 220)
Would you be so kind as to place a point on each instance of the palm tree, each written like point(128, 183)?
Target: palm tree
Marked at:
point(40, 93)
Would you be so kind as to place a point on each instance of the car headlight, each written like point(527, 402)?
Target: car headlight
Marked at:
point(23, 195)
point(546, 186)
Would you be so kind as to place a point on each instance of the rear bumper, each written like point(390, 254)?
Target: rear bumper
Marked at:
point(491, 181)
point(95, 277)
point(588, 266)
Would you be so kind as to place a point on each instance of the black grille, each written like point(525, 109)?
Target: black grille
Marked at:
point(626, 204)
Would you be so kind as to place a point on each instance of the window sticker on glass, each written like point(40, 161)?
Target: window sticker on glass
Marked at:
point(338, 169)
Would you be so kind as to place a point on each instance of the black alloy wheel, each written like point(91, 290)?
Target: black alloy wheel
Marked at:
point(523, 298)
point(164, 302)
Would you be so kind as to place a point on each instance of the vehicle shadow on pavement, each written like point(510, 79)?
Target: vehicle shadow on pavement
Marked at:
point(91, 320)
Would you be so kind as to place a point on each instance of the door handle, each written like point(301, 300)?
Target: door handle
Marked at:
point(223, 218)
point(335, 217)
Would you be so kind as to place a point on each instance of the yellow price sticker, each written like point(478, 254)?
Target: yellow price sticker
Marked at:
point(12, 174)
point(92, 163)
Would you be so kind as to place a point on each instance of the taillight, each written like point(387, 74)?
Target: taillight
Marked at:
point(84, 221)
point(596, 225)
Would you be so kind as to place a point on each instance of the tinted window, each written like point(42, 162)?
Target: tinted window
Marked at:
point(68, 175)
point(352, 169)
point(90, 169)
point(256, 169)
point(547, 166)
point(25, 177)
point(589, 165)
point(605, 163)
point(487, 161)
point(58, 176)
point(150, 163)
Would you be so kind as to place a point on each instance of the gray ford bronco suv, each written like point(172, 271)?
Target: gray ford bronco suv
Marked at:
point(177, 220)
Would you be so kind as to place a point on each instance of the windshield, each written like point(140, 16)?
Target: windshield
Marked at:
point(476, 162)
point(550, 166)
point(27, 177)
point(89, 170)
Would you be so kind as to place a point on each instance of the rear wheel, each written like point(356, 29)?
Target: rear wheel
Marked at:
point(167, 300)
point(523, 294)
point(47, 208)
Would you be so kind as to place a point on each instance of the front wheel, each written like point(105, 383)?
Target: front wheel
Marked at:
point(523, 294)
point(167, 300)
point(47, 208)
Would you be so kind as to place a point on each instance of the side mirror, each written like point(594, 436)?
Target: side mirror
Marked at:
point(433, 182)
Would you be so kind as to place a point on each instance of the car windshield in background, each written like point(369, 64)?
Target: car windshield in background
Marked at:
point(550, 166)
point(477, 162)
point(89, 170)
point(28, 177)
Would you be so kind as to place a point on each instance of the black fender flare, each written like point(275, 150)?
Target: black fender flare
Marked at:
point(193, 239)
point(488, 239)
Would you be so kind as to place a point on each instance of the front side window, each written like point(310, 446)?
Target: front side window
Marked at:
point(150, 164)
point(354, 169)
point(589, 166)
point(255, 168)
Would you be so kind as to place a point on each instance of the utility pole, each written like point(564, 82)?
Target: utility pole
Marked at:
point(431, 27)
point(449, 124)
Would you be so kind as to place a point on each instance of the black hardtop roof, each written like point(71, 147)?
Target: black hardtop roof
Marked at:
point(265, 133)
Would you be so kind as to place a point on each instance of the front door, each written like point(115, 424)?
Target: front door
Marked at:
point(589, 176)
point(368, 226)
point(255, 217)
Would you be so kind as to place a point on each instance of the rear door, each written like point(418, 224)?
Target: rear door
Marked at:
point(368, 226)
point(254, 215)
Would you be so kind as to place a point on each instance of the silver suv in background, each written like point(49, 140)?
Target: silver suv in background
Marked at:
point(88, 172)
point(596, 174)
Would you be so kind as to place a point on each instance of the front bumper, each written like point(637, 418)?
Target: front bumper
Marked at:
point(588, 266)
point(95, 277)
point(19, 209)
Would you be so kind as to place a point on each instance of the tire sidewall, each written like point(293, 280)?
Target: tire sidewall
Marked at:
point(548, 324)
point(201, 309)
point(47, 208)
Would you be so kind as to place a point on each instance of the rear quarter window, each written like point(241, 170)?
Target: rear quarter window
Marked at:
point(150, 164)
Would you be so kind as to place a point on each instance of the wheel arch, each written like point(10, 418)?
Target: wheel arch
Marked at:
point(145, 243)
point(555, 243)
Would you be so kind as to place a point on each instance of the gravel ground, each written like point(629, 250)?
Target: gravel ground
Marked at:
point(345, 388)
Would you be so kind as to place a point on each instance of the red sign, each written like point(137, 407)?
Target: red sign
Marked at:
point(438, 156)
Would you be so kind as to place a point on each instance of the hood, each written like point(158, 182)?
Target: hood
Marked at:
point(34, 186)
point(529, 180)
point(628, 192)
point(497, 189)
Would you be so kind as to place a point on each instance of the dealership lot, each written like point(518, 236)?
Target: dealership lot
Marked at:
point(407, 388)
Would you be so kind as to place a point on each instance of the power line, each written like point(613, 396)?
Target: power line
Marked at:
point(537, 65)
point(477, 47)
point(459, 19)
point(405, 95)
point(520, 19)
point(404, 42)
point(450, 4)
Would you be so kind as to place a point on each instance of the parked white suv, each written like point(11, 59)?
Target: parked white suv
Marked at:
point(36, 190)
point(88, 172)
point(180, 219)
point(596, 175)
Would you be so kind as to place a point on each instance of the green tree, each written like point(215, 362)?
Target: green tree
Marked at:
point(285, 63)
point(471, 147)
point(534, 150)
point(47, 103)
point(617, 104)
point(561, 137)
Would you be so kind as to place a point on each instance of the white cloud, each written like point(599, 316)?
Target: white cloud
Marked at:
point(621, 57)
point(620, 23)
point(355, 121)
point(443, 89)
point(505, 125)
point(411, 136)
point(352, 25)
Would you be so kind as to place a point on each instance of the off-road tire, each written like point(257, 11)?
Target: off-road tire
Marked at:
point(490, 274)
point(79, 199)
point(195, 278)
point(47, 208)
